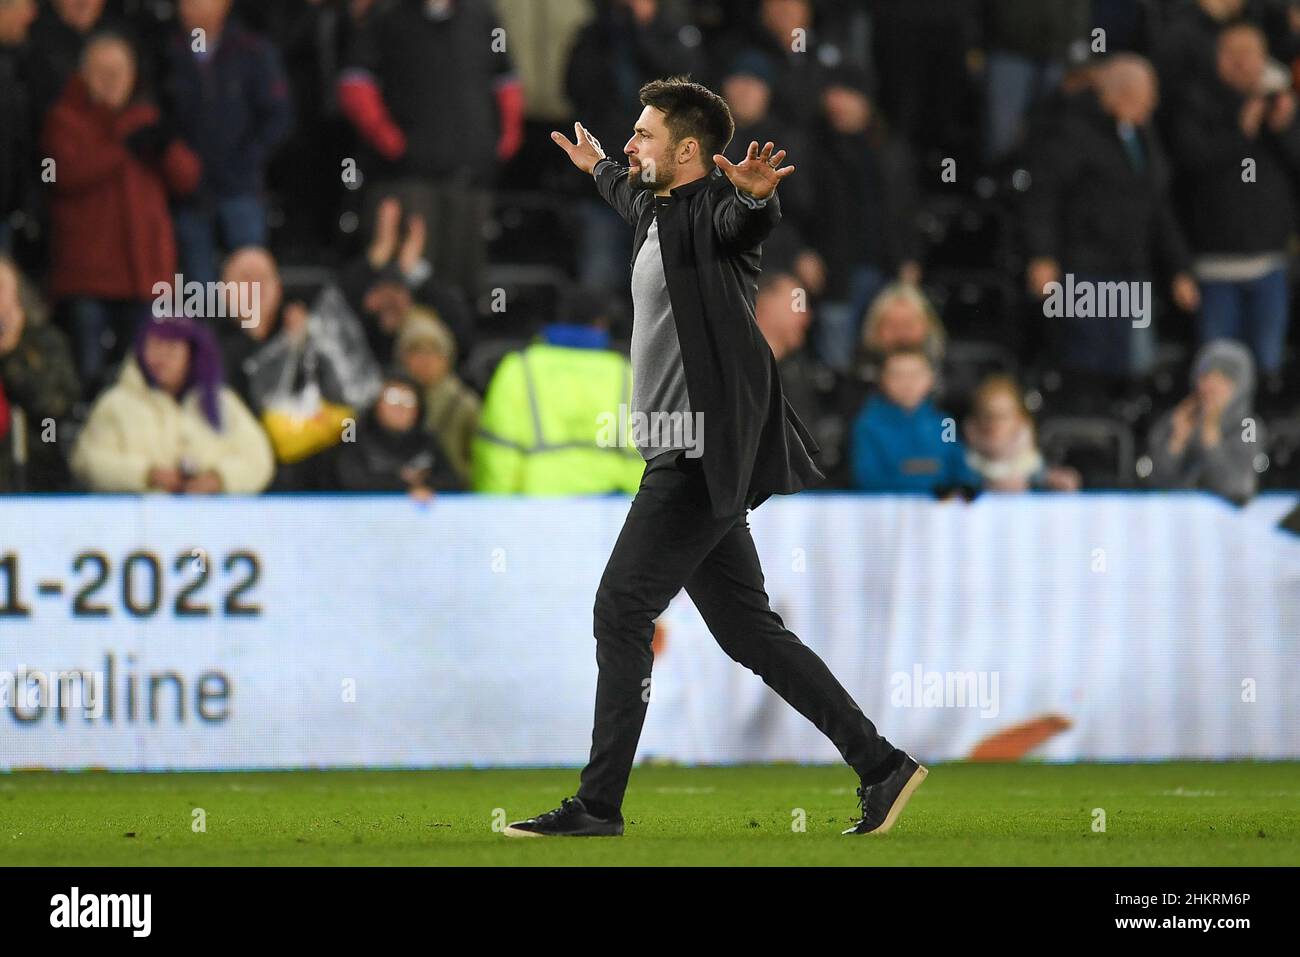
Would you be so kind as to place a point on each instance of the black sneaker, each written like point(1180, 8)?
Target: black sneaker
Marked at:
point(570, 819)
point(883, 802)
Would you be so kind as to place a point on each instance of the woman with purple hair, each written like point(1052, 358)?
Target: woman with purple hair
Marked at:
point(170, 425)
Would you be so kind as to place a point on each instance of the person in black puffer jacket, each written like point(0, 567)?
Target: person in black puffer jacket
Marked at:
point(392, 451)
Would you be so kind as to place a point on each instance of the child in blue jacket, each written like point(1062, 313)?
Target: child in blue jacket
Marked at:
point(901, 442)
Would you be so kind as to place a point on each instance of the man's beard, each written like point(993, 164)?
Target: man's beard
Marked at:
point(664, 173)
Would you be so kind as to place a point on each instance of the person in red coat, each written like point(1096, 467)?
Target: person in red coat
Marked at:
point(115, 161)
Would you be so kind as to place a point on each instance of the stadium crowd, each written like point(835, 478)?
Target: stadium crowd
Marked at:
point(380, 274)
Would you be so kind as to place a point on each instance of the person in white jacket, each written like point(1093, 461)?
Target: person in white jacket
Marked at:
point(170, 425)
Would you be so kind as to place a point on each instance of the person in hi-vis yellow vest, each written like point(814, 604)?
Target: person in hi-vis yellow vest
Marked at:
point(550, 420)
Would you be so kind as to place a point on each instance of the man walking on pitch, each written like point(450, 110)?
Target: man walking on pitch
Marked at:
point(699, 357)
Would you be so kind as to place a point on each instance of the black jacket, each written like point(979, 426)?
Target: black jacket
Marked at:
point(234, 110)
point(1223, 212)
point(867, 198)
point(374, 462)
point(1092, 211)
point(436, 78)
point(754, 444)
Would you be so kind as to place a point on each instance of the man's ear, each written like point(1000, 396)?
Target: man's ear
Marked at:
point(687, 150)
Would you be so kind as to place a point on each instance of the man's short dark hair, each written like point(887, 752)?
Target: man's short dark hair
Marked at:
point(691, 109)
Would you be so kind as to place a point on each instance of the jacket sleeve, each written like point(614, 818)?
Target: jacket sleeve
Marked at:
point(508, 93)
point(272, 103)
point(246, 464)
point(101, 459)
point(362, 102)
point(182, 168)
point(1170, 245)
point(611, 182)
point(1287, 144)
point(82, 156)
point(741, 222)
point(1054, 165)
point(1228, 469)
point(1167, 469)
point(504, 431)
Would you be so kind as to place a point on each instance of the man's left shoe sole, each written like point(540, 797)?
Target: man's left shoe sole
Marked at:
point(516, 832)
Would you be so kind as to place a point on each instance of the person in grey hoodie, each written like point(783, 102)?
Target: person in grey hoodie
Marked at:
point(1211, 439)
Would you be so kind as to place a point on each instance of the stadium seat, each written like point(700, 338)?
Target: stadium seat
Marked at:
point(1102, 449)
point(531, 295)
point(967, 363)
point(1283, 471)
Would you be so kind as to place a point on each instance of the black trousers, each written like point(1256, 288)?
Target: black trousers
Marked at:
point(670, 540)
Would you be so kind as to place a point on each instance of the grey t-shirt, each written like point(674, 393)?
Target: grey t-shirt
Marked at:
point(661, 407)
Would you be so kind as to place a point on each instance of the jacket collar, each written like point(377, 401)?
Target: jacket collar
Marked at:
point(131, 379)
point(706, 181)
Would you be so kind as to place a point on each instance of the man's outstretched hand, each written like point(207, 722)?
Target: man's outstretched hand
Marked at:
point(586, 153)
point(757, 173)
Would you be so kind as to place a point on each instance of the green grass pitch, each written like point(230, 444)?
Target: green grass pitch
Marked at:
point(1042, 814)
